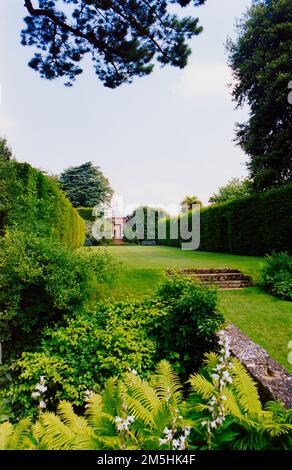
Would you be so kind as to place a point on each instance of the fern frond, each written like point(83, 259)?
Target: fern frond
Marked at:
point(231, 405)
point(76, 423)
point(211, 360)
point(201, 385)
point(57, 435)
point(278, 429)
point(167, 383)
point(19, 435)
point(6, 431)
point(94, 410)
point(111, 397)
point(245, 389)
point(141, 398)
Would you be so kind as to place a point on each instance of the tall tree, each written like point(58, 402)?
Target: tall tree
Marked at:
point(188, 202)
point(234, 189)
point(123, 37)
point(5, 150)
point(86, 186)
point(260, 58)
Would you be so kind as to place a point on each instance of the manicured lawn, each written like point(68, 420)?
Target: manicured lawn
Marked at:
point(267, 320)
point(264, 318)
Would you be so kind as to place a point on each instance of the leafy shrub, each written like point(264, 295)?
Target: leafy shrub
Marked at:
point(277, 275)
point(42, 280)
point(136, 414)
point(84, 353)
point(188, 330)
point(92, 346)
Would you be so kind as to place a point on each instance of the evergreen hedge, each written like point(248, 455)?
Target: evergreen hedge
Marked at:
point(34, 202)
point(254, 225)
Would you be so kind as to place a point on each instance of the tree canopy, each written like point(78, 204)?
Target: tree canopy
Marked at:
point(86, 186)
point(5, 150)
point(188, 202)
point(234, 189)
point(260, 58)
point(123, 37)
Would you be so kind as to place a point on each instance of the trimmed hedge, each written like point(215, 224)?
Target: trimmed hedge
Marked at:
point(34, 202)
point(254, 225)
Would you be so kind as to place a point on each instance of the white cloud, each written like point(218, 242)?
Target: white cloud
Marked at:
point(203, 81)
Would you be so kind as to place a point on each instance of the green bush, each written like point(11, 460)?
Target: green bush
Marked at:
point(254, 225)
point(42, 280)
point(83, 354)
point(188, 330)
point(92, 346)
point(277, 275)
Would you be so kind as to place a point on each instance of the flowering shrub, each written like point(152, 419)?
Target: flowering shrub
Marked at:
point(136, 414)
point(91, 347)
point(277, 275)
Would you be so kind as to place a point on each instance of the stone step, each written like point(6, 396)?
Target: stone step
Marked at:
point(218, 276)
point(209, 271)
point(224, 278)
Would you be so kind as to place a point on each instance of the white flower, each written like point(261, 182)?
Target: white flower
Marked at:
point(118, 420)
point(133, 371)
point(211, 408)
point(42, 404)
point(88, 395)
point(204, 423)
point(35, 394)
point(166, 431)
point(42, 388)
point(163, 441)
point(213, 424)
point(42, 378)
point(120, 426)
point(187, 431)
point(223, 397)
point(130, 419)
point(215, 376)
point(175, 444)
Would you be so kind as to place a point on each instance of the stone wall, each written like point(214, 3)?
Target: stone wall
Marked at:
point(274, 382)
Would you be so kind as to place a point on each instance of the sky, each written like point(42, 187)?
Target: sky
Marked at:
point(159, 139)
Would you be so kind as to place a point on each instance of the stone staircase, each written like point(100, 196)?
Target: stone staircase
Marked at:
point(222, 278)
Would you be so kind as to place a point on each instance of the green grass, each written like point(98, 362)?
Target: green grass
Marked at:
point(264, 318)
point(267, 320)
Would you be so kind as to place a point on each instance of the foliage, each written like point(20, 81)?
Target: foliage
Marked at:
point(85, 352)
point(122, 38)
point(86, 186)
point(234, 189)
point(143, 223)
point(5, 150)
point(243, 423)
point(193, 319)
point(188, 202)
point(87, 213)
point(136, 414)
point(92, 346)
point(277, 275)
point(254, 225)
point(34, 202)
point(259, 58)
point(42, 280)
